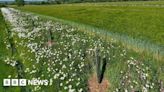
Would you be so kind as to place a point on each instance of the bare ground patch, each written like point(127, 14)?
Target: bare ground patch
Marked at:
point(94, 86)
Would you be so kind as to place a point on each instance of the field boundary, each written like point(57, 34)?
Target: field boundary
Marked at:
point(137, 45)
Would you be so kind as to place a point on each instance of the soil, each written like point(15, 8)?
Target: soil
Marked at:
point(50, 43)
point(94, 86)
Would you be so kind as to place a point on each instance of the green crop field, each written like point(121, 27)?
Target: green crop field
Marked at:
point(140, 21)
point(85, 47)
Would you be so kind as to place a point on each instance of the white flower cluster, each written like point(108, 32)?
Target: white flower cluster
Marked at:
point(11, 62)
point(61, 53)
point(136, 77)
point(62, 62)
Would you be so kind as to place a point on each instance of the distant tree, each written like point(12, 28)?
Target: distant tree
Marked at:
point(43, 2)
point(59, 1)
point(2, 5)
point(20, 2)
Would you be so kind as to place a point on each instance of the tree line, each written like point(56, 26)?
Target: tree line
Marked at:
point(83, 1)
point(22, 2)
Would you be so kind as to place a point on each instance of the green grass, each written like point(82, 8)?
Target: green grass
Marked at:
point(116, 63)
point(5, 69)
point(141, 22)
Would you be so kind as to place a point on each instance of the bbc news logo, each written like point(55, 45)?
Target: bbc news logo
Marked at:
point(24, 82)
point(14, 82)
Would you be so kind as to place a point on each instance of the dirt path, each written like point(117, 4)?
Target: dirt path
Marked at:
point(94, 86)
